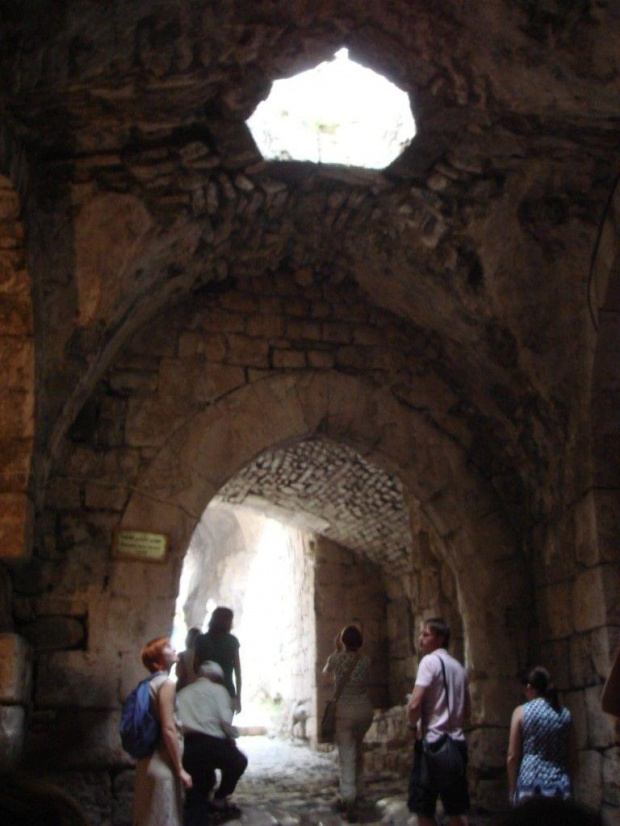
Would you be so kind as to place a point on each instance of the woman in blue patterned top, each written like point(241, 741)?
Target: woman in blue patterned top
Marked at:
point(541, 750)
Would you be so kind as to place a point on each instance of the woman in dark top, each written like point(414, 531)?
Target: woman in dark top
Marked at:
point(185, 666)
point(222, 647)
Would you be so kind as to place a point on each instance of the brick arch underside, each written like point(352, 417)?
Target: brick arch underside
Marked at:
point(17, 381)
point(208, 449)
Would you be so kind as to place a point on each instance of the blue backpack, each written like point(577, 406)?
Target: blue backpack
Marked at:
point(138, 727)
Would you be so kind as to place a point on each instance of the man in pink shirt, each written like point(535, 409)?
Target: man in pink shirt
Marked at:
point(438, 706)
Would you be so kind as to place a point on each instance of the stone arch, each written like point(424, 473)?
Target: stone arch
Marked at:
point(129, 264)
point(211, 446)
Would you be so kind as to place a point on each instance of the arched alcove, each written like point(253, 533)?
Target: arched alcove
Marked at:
point(208, 449)
point(314, 522)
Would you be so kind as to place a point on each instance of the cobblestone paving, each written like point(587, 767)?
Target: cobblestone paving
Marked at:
point(289, 784)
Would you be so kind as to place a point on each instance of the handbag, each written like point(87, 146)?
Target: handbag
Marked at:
point(328, 723)
point(443, 761)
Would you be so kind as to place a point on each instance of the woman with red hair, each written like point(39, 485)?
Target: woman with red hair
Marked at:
point(160, 777)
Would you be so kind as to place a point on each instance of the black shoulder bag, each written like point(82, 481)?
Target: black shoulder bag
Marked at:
point(444, 764)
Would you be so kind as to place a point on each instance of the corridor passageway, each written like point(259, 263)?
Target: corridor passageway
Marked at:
point(290, 784)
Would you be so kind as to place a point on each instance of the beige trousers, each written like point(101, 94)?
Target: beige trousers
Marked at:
point(352, 723)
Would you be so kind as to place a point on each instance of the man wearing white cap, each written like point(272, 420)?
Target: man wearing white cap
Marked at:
point(206, 714)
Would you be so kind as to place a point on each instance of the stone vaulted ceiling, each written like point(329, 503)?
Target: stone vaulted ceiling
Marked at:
point(343, 496)
point(145, 182)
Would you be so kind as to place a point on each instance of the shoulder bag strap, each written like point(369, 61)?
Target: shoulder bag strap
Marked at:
point(445, 682)
point(345, 677)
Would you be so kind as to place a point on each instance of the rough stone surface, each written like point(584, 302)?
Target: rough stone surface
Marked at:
point(588, 784)
point(52, 633)
point(15, 669)
point(17, 378)
point(16, 530)
point(93, 793)
point(349, 590)
point(72, 678)
point(66, 740)
point(6, 601)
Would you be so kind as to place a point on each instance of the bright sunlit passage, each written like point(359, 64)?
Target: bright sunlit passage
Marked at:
point(263, 570)
point(270, 600)
point(336, 113)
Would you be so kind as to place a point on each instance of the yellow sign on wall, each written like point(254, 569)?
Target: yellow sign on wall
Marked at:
point(140, 546)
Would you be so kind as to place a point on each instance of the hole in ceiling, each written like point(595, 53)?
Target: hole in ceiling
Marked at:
point(337, 113)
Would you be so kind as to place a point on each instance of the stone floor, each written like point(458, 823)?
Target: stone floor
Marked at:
point(286, 783)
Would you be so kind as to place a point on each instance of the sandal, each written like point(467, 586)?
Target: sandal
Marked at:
point(219, 816)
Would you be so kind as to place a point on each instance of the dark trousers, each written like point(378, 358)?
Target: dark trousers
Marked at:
point(202, 755)
point(423, 797)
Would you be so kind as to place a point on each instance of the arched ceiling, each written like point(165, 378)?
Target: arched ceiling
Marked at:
point(329, 489)
point(80, 77)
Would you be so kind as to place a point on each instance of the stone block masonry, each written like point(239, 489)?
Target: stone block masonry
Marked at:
point(17, 379)
point(349, 590)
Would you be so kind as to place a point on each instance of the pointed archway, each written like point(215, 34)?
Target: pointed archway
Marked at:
point(208, 449)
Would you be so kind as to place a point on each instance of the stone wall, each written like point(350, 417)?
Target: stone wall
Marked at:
point(576, 571)
point(350, 590)
point(16, 446)
point(428, 589)
point(388, 745)
point(17, 379)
